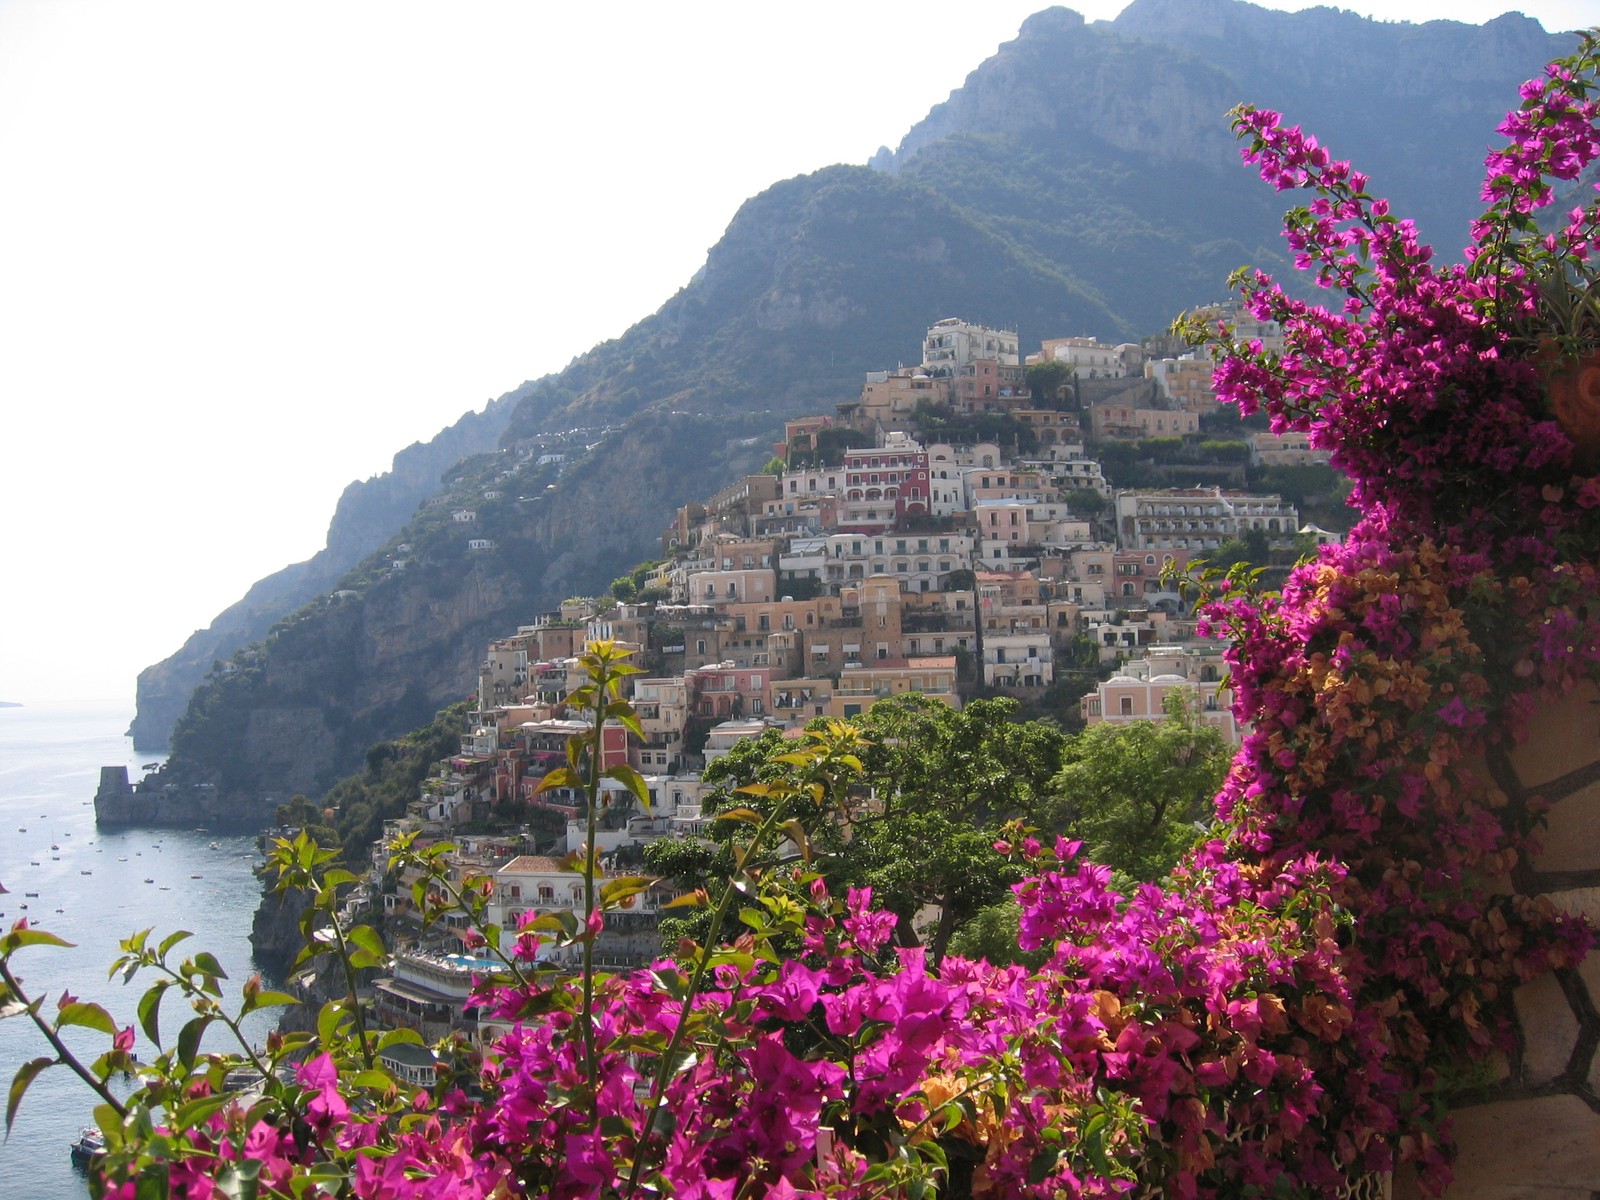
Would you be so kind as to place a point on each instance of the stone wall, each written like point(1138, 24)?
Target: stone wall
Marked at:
point(1536, 1133)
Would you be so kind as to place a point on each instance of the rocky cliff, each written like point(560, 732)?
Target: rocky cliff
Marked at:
point(275, 936)
point(368, 513)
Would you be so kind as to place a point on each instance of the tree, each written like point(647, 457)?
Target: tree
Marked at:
point(992, 936)
point(1051, 383)
point(1252, 548)
point(1085, 502)
point(945, 781)
point(1134, 792)
point(919, 828)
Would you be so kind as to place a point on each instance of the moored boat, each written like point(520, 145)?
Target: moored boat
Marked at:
point(90, 1142)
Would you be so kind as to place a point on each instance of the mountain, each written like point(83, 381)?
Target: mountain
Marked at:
point(1083, 180)
point(367, 514)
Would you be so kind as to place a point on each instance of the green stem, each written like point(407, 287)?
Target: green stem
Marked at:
point(190, 990)
point(367, 1057)
point(658, 1085)
point(63, 1054)
point(591, 789)
point(458, 898)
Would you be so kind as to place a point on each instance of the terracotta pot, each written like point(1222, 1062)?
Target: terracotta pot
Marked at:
point(1573, 386)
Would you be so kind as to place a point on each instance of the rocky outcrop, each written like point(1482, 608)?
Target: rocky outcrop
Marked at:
point(160, 800)
point(275, 937)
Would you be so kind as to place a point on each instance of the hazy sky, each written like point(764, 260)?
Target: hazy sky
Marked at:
point(250, 250)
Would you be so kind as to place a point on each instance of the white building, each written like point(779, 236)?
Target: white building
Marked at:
point(1091, 358)
point(953, 343)
point(1199, 519)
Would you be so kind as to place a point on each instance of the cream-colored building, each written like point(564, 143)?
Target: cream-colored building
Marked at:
point(861, 687)
point(1091, 358)
point(952, 343)
point(1199, 519)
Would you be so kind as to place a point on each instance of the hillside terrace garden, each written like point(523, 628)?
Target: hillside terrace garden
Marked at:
point(1293, 1008)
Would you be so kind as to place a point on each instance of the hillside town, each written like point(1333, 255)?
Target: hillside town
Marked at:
point(868, 560)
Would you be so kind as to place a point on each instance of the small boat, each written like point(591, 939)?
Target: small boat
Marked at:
point(35, 895)
point(90, 1142)
point(85, 872)
point(149, 880)
point(197, 877)
point(165, 888)
point(33, 862)
point(214, 846)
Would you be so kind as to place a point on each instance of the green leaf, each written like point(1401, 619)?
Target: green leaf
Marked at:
point(561, 777)
point(622, 712)
point(239, 1179)
point(695, 899)
point(378, 1081)
point(268, 998)
point(333, 1016)
point(192, 1112)
point(151, 1010)
point(398, 1037)
point(625, 774)
point(25, 1075)
point(109, 1122)
point(189, 1040)
point(617, 892)
point(367, 938)
point(548, 922)
point(748, 815)
point(16, 939)
point(737, 959)
point(90, 1016)
point(171, 940)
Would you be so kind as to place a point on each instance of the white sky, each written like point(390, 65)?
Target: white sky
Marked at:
point(248, 250)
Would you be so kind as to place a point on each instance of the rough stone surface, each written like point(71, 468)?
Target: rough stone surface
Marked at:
point(1563, 738)
point(1581, 902)
point(1540, 1149)
point(1549, 1030)
point(1570, 840)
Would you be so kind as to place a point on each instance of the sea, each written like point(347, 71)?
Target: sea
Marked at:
point(95, 887)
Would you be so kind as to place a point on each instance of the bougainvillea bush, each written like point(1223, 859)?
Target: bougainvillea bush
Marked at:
point(1291, 1010)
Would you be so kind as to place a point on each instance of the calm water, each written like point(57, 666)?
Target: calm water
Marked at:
point(92, 890)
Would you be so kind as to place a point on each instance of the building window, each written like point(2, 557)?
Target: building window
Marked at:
point(1127, 706)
